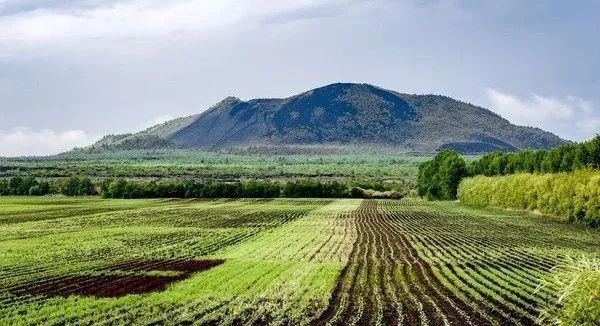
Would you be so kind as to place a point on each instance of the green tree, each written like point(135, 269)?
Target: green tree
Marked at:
point(86, 187)
point(594, 152)
point(4, 188)
point(439, 178)
point(15, 185)
point(71, 187)
point(117, 189)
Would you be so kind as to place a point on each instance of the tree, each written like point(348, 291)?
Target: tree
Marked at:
point(86, 187)
point(70, 187)
point(4, 188)
point(582, 157)
point(116, 189)
point(15, 185)
point(439, 178)
point(594, 152)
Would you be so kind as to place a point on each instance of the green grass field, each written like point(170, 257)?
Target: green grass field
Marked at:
point(88, 261)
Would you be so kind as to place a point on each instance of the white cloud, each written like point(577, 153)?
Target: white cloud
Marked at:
point(571, 117)
point(146, 18)
point(24, 141)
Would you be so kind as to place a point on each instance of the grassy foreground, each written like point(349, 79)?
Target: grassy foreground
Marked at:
point(286, 261)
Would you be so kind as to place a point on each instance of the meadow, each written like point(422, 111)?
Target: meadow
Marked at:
point(259, 163)
point(91, 261)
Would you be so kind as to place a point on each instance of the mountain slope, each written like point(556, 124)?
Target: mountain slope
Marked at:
point(354, 114)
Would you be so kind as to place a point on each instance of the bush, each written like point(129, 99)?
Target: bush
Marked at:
point(316, 189)
point(439, 178)
point(358, 192)
point(578, 297)
point(574, 196)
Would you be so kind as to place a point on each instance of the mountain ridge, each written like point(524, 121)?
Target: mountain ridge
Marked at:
point(340, 114)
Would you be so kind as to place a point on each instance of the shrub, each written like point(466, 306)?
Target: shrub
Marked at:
point(578, 297)
point(574, 196)
point(358, 192)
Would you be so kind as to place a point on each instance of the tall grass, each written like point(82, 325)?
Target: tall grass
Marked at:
point(574, 196)
point(577, 283)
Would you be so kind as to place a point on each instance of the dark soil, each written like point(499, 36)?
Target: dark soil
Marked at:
point(109, 286)
point(394, 284)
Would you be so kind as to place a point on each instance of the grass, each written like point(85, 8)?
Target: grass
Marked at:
point(578, 284)
point(282, 261)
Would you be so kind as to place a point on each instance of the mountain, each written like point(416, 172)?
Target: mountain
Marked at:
point(341, 114)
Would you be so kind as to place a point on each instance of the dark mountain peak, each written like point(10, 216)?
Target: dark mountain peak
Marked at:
point(224, 103)
point(344, 113)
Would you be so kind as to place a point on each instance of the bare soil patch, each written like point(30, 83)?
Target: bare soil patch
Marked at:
point(110, 286)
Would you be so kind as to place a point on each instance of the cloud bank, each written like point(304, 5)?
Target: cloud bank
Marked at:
point(23, 141)
point(571, 117)
point(38, 23)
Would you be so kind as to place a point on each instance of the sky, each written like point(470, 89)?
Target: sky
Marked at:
point(72, 71)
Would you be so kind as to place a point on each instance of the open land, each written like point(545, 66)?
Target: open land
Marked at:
point(282, 261)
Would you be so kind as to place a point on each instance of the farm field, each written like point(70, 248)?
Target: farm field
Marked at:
point(89, 261)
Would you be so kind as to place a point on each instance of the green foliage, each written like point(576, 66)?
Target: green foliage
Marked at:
point(439, 178)
point(364, 164)
point(574, 196)
point(316, 189)
point(4, 188)
point(180, 188)
point(306, 188)
point(578, 299)
point(24, 186)
point(564, 158)
point(75, 186)
point(30, 186)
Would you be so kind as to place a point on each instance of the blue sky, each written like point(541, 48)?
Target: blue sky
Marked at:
point(72, 71)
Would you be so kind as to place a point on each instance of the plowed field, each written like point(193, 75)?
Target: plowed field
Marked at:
point(285, 262)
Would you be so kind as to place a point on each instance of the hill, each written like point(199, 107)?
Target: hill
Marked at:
point(340, 114)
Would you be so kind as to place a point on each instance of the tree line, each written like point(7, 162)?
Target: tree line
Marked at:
point(564, 158)
point(30, 186)
point(301, 188)
point(439, 178)
point(181, 188)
